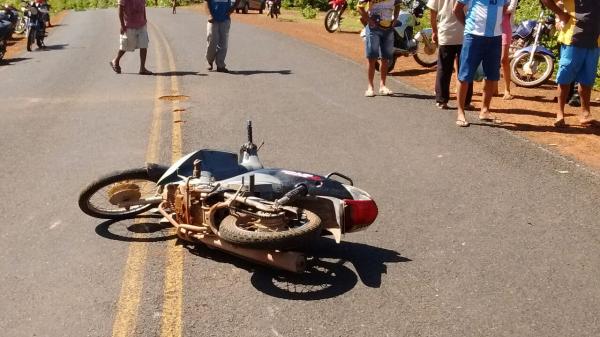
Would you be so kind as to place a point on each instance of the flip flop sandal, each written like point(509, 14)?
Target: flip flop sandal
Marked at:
point(560, 124)
point(115, 68)
point(462, 124)
point(591, 122)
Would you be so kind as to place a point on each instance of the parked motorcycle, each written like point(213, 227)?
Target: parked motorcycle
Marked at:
point(11, 15)
point(273, 8)
point(333, 17)
point(532, 63)
point(35, 26)
point(235, 204)
point(4, 34)
point(420, 45)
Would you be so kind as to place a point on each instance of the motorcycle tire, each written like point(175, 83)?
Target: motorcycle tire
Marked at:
point(2, 50)
point(40, 41)
point(332, 21)
point(110, 181)
point(293, 237)
point(426, 56)
point(30, 39)
point(391, 65)
point(20, 26)
point(525, 80)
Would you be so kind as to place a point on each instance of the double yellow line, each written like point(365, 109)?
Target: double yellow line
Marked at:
point(133, 277)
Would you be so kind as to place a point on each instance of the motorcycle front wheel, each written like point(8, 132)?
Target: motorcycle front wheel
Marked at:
point(246, 231)
point(101, 198)
point(20, 26)
point(534, 74)
point(332, 20)
point(427, 54)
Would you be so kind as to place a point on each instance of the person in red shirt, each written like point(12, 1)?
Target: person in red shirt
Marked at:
point(134, 35)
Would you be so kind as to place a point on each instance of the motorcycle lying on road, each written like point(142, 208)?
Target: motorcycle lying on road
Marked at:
point(333, 17)
point(235, 204)
point(420, 45)
point(532, 63)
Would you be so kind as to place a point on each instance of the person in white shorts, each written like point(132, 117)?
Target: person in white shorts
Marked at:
point(134, 35)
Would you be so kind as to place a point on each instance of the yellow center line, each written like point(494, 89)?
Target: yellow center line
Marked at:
point(171, 324)
point(133, 277)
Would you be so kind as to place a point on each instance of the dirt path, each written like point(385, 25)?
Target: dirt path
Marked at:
point(530, 114)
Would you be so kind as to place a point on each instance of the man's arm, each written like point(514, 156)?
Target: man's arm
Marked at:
point(562, 15)
point(434, 27)
point(122, 19)
point(459, 12)
point(364, 16)
point(208, 8)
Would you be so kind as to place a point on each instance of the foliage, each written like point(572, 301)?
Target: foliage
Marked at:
point(287, 4)
point(309, 13)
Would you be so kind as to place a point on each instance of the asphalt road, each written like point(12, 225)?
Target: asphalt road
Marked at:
point(480, 233)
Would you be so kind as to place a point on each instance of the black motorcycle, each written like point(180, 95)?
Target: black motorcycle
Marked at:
point(35, 25)
point(235, 204)
point(4, 35)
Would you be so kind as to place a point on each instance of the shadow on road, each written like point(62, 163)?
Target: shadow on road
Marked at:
point(55, 47)
point(574, 129)
point(413, 72)
point(256, 72)
point(415, 96)
point(179, 73)
point(326, 275)
point(144, 228)
point(14, 60)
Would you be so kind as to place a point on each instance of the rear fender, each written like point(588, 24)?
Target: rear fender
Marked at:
point(539, 49)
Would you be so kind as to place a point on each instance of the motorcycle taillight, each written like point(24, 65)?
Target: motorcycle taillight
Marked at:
point(358, 214)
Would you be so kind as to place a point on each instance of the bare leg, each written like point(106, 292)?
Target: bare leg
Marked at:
point(383, 72)
point(506, 72)
point(117, 59)
point(462, 96)
point(143, 53)
point(585, 93)
point(563, 92)
point(488, 92)
point(371, 73)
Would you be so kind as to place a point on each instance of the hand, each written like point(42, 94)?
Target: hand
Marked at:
point(434, 37)
point(373, 23)
point(563, 18)
point(210, 19)
point(123, 30)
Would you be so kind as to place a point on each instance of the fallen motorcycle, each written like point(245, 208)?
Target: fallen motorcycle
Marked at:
point(235, 204)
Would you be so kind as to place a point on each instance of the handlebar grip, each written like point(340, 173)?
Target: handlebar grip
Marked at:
point(299, 191)
point(249, 128)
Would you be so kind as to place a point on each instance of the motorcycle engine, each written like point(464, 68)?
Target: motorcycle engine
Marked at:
point(187, 201)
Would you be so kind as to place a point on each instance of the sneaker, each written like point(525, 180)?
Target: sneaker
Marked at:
point(385, 91)
point(209, 67)
point(369, 93)
point(443, 106)
point(222, 70)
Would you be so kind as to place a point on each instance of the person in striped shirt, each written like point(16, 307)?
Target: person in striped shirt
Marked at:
point(482, 44)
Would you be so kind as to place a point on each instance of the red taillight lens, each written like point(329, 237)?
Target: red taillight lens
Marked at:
point(359, 214)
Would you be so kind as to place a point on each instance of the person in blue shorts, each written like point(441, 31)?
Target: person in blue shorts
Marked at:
point(580, 38)
point(482, 44)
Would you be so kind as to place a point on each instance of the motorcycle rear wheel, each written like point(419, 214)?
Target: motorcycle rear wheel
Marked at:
point(94, 200)
point(240, 231)
point(332, 21)
point(544, 68)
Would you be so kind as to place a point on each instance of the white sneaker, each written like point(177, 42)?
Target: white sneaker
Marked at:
point(385, 91)
point(369, 93)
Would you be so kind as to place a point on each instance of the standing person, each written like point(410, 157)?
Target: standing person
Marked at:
point(448, 34)
point(506, 40)
point(379, 19)
point(134, 35)
point(482, 45)
point(217, 30)
point(174, 6)
point(579, 54)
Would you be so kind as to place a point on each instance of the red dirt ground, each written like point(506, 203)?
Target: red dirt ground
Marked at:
point(530, 114)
